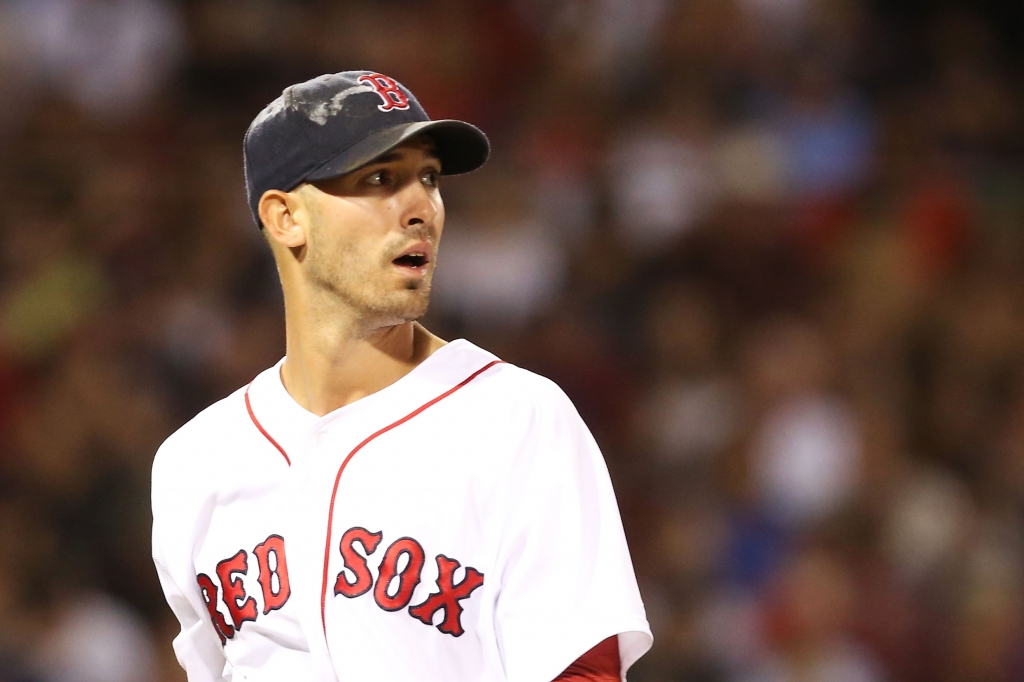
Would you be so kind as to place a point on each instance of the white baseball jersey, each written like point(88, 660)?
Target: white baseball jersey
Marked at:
point(457, 525)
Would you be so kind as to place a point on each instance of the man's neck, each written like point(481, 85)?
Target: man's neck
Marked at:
point(324, 372)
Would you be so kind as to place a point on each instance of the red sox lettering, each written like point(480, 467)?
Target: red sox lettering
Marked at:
point(208, 588)
point(392, 591)
point(449, 596)
point(241, 606)
point(273, 579)
point(388, 90)
point(394, 598)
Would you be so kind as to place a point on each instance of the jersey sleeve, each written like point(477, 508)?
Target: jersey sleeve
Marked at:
point(600, 664)
point(567, 581)
point(197, 646)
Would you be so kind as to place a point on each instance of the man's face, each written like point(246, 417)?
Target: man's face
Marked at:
point(374, 232)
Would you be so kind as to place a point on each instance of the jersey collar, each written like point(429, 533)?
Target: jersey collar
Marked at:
point(290, 425)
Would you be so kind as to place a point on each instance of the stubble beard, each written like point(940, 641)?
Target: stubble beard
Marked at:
point(363, 288)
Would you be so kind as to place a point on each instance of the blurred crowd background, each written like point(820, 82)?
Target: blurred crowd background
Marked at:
point(772, 249)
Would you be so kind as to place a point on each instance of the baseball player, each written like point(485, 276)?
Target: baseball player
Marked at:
point(382, 505)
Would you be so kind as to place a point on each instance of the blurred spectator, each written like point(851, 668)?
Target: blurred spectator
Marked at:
point(96, 639)
point(659, 177)
point(931, 518)
point(691, 410)
point(805, 456)
point(109, 56)
point(809, 625)
point(56, 290)
point(828, 134)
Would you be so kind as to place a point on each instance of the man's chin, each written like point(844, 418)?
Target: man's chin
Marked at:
point(411, 309)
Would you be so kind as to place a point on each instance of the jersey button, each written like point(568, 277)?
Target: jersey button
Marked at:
point(321, 437)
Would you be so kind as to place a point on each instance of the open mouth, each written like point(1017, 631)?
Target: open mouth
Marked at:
point(411, 260)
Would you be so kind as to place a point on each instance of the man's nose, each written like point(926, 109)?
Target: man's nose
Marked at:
point(419, 205)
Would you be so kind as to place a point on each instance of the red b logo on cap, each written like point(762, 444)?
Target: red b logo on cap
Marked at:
point(388, 90)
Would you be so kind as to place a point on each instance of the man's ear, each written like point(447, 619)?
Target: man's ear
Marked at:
point(284, 217)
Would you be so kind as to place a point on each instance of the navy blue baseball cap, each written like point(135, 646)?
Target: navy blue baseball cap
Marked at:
point(338, 122)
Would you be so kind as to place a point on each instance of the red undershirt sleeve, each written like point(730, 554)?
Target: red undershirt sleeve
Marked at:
point(600, 664)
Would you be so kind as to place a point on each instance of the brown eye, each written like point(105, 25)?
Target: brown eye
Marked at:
point(430, 178)
point(378, 179)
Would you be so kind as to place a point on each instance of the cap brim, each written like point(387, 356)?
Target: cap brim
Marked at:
point(461, 148)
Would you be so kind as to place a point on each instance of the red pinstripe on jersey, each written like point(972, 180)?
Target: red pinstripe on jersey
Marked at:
point(341, 469)
point(248, 406)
